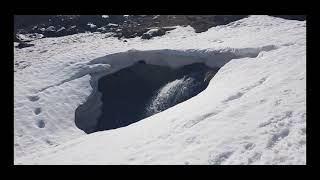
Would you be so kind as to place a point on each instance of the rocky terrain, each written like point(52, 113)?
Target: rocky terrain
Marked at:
point(29, 27)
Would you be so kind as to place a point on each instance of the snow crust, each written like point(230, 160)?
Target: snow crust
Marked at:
point(252, 112)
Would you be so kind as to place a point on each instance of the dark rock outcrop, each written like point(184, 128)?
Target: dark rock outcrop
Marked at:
point(155, 32)
point(119, 25)
point(24, 45)
point(202, 23)
point(122, 26)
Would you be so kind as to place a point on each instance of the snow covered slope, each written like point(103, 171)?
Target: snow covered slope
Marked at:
point(252, 112)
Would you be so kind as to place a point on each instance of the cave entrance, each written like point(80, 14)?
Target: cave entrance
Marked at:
point(141, 90)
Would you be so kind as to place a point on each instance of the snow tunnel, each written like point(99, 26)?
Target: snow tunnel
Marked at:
point(139, 91)
point(139, 84)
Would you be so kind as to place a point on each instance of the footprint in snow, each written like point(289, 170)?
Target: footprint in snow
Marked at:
point(277, 137)
point(33, 98)
point(37, 111)
point(40, 124)
point(256, 157)
point(219, 158)
point(249, 146)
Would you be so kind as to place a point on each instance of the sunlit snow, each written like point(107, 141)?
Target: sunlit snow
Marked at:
point(252, 112)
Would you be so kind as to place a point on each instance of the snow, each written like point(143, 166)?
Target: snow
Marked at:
point(102, 28)
point(155, 17)
point(29, 37)
point(61, 29)
point(91, 25)
point(175, 88)
point(252, 112)
point(152, 31)
point(50, 28)
point(113, 25)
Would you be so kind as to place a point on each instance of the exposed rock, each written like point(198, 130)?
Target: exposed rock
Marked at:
point(152, 33)
point(209, 75)
point(155, 32)
point(15, 38)
point(61, 32)
point(123, 26)
point(27, 37)
point(50, 31)
point(24, 45)
point(71, 30)
point(202, 23)
point(102, 29)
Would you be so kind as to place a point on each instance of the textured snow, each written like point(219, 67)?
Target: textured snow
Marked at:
point(252, 112)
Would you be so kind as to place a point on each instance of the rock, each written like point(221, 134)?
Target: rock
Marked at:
point(51, 28)
point(16, 39)
point(28, 37)
point(146, 36)
point(118, 35)
point(127, 26)
point(61, 32)
point(50, 31)
point(202, 23)
point(61, 29)
point(153, 33)
point(112, 25)
point(92, 26)
point(209, 75)
point(24, 45)
point(102, 29)
point(71, 30)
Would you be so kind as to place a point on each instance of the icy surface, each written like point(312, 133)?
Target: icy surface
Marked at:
point(252, 112)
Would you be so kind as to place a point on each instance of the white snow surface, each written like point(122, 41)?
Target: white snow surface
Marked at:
point(91, 25)
point(252, 112)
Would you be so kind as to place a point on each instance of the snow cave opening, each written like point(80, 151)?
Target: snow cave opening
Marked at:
point(142, 90)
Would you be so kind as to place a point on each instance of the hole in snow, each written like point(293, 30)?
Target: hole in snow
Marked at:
point(142, 90)
point(151, 85)
point(33, 98)
point(37, 111)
